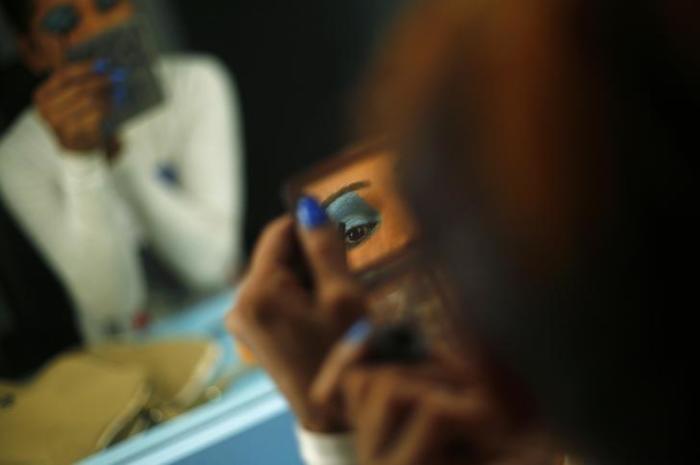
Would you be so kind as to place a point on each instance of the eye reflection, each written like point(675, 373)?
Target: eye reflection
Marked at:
point(105, 5)
point(357, 235)
point(61, 19)
point(359, 219)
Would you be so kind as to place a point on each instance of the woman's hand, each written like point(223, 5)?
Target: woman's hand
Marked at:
point(289, 323)
point(440, 412)
point(402, 418)
point(74, 102)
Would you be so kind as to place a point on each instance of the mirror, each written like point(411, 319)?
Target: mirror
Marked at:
point(357, 188)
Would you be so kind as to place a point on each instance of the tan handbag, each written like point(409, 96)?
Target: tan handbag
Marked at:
point(82, 402)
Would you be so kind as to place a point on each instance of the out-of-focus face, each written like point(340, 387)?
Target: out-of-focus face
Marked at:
point(539, 208)
point(59, 25)
point(361, 197)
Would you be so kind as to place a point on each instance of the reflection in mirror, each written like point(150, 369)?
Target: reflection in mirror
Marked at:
point(122, 200)
point(357, 188)
point(121, 228)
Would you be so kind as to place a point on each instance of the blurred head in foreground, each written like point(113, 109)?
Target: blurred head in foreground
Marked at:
point(549, 149)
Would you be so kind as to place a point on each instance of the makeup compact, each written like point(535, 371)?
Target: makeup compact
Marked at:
point(358, 190)
point(126, 55)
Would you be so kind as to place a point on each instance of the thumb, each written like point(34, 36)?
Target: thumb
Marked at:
point(320, 241)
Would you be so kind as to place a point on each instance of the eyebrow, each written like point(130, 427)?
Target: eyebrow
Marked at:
point(355, 186)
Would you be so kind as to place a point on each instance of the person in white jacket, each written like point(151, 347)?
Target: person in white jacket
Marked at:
point(170, 180)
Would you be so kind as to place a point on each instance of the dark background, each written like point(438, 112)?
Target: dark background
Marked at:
point(295, 64)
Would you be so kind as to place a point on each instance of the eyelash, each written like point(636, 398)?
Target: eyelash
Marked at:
point(366, 230)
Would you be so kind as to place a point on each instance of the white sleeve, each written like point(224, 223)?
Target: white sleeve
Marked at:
point(326, 449)
point(68, 206)
point(195, 226)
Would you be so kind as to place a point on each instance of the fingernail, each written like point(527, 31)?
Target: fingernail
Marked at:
point(100, 66)
point(359, 332)
point(118, 75)
point(310, 214)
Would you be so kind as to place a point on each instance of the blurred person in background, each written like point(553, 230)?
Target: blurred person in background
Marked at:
point(549, 150)
point(169, 181)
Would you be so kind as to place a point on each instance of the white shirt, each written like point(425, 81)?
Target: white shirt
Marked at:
point(89, 219)
point(326, 449)
point(339, 449)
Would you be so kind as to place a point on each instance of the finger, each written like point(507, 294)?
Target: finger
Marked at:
point(320, 240)
point(267, 300)
point(275, 247)
point(269, 292)
point(326, 389)
point(442, 420)
point(344, 365)
point(389, 404)
point(83, 133)
point(74, 73)
point(419, 440)
point(77, 110)
point(96, 87)
point(355, 389)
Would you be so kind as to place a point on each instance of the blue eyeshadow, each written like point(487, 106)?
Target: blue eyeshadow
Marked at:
point(359, 219)
point(351, 209)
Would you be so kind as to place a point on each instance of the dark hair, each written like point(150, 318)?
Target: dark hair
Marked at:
point(18, 13)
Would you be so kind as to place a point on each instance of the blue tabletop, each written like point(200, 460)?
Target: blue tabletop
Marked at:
point(249, 424)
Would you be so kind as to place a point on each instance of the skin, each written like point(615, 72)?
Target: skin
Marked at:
point(445, 410)
point(275, 309)
point(73, 100)
point(397, 229)
point(445, 426)
point(406, 413)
